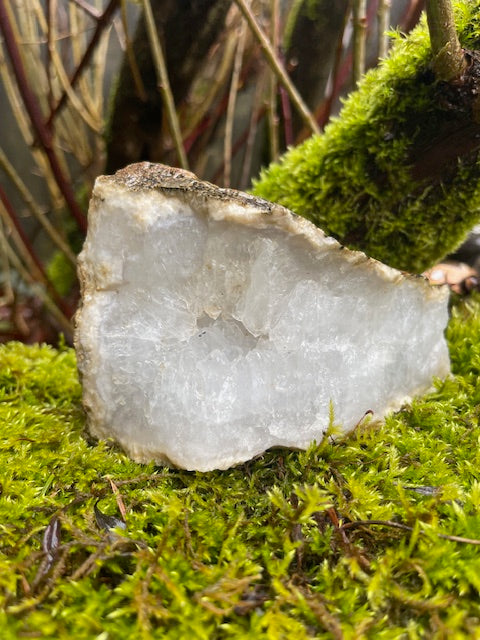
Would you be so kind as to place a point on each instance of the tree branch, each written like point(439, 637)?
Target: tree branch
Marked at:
point(449, 62)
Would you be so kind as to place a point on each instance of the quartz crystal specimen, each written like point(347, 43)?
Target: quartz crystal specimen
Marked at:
point(215, 325)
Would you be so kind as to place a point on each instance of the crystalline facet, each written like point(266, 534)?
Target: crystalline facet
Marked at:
point(215, 325)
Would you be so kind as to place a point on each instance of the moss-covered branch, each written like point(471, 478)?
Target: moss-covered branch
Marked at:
point(397, 175)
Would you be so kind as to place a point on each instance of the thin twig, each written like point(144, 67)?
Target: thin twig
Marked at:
point(39, 291)
point(272, 115)
point(16, 104)
point(336, 80)
point(102, 22)
point(383, 18)
point(256, 114)
point(404, 527)
point(359, 38)
point(91, 11)
point(164, 83)
point(412, 15)
point(7, 289)
point(199, 107)
point(232, 99)
point(27, 197)
point(277, 67)
point(132, 61)
point(33, 108)
point(22, 236)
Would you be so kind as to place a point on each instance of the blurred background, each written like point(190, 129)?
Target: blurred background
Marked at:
point(221, 87)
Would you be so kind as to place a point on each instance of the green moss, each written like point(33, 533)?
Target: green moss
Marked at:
point(355, 180)
point(252, 552)
point(61, 273)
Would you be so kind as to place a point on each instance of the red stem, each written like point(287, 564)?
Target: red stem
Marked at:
point(44, 134)
point(28, 245)
point(101, 22)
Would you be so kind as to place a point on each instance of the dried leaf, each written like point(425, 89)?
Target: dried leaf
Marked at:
point(120, 503)
point(107, 522)
point(51, 540)
point(50, 545)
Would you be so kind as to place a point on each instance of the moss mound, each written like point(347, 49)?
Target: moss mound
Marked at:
point(373, 537)
point(358, 180)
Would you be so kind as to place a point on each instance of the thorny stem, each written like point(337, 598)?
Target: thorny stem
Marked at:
point(32, 107)
point(102, 21)
point(277, 67)
point(164, 83)
point(449, 62)
point(359, 38)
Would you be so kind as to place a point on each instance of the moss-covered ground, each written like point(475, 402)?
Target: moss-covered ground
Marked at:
point(376, 536)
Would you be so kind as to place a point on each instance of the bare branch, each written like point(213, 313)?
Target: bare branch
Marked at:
point(359, 38)
point(449, 62)
point(383, 15)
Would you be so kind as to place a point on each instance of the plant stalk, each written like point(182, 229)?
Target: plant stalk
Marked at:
point(448, 61)
point(164, 83)
point(277, 67)
point(32, 107)
point(359, 38)
point(102, 21)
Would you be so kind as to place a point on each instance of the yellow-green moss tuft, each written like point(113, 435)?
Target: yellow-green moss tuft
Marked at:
point(253, 552)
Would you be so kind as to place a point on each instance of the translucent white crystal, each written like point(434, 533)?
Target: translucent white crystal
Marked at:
point(215, 325)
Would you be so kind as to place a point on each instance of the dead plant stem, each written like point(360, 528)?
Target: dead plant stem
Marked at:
point(272, 115)
point(383, 16)
point(164, 84)
point(32, 106)
point(232, 99)
point(359, 38)
point(27, 197)
point(102, 23)
point(277, 67)
point(404, 527)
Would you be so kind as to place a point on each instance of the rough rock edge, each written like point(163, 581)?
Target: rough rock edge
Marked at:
point(185, 186)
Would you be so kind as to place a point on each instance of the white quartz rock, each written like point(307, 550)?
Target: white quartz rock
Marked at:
point(215, 325)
